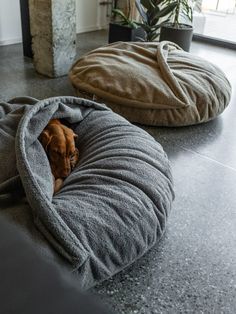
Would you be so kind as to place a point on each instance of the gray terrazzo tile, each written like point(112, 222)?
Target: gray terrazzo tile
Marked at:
point(18, 76)
point(193, 268)
point(215, 139)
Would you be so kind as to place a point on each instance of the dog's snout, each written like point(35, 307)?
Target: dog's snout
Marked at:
point(62, 169)
point(62, 174)
point(66, 172)
point(66, 169)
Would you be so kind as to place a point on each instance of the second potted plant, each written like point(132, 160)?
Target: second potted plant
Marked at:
point(125, 29)
point(177, 31)
point(153, 14)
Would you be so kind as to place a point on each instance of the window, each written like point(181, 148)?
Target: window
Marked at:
point(215, 19)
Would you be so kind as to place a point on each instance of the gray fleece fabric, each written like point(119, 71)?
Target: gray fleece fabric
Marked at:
point(114, 205)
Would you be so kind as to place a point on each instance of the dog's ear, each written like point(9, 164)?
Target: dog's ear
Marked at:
point(45, 139)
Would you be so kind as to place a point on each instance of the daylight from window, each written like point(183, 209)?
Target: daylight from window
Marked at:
point(216, 18)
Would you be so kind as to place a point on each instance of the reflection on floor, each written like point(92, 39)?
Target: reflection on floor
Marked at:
point(193, 268)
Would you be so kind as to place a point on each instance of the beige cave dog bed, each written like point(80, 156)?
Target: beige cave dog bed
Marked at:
point(152, 83)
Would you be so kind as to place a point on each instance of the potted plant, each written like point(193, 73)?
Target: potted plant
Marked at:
point(125, 29)
point(178, 31)
point(153, 14)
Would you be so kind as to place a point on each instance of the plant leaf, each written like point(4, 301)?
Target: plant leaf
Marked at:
point(164, 12)
point(147, 4)
point(146, 27)
point(120, 13)
point(141, 10)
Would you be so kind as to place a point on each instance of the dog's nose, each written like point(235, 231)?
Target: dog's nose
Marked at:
point(66, 172)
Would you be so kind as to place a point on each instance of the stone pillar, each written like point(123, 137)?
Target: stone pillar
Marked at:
point(53, 30)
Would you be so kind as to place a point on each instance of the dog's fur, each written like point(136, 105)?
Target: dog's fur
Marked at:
point(59, 143)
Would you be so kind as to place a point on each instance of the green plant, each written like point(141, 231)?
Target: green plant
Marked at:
point(151, 12)
point(183, 8)
point(125, 19)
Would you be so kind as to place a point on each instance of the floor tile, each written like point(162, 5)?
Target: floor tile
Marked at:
point(193, 268)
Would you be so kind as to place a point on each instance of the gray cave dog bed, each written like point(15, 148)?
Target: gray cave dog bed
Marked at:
point(152, 83)
point(114, 205)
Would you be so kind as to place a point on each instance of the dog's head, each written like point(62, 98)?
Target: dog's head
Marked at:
point(59, 144)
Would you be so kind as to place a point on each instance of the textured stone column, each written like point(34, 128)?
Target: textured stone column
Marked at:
point(53, 30)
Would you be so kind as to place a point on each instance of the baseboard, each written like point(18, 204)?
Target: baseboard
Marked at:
point(18, 40)
point(89, 29)
point(11, 41)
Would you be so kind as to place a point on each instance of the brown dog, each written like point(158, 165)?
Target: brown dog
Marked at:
point(59, 143)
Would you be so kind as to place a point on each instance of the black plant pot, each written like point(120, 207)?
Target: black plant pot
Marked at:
point(118, 32)
point(181, 36)
point(25, 25)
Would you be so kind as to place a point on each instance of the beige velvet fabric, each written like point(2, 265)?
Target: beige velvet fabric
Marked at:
point(152, 83)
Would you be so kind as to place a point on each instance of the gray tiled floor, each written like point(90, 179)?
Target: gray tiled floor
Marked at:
point(193, 268)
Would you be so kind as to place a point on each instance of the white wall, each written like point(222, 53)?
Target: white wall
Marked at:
point(227, 6)
point(87, 15)
point(90, 16)
point(10, 25)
